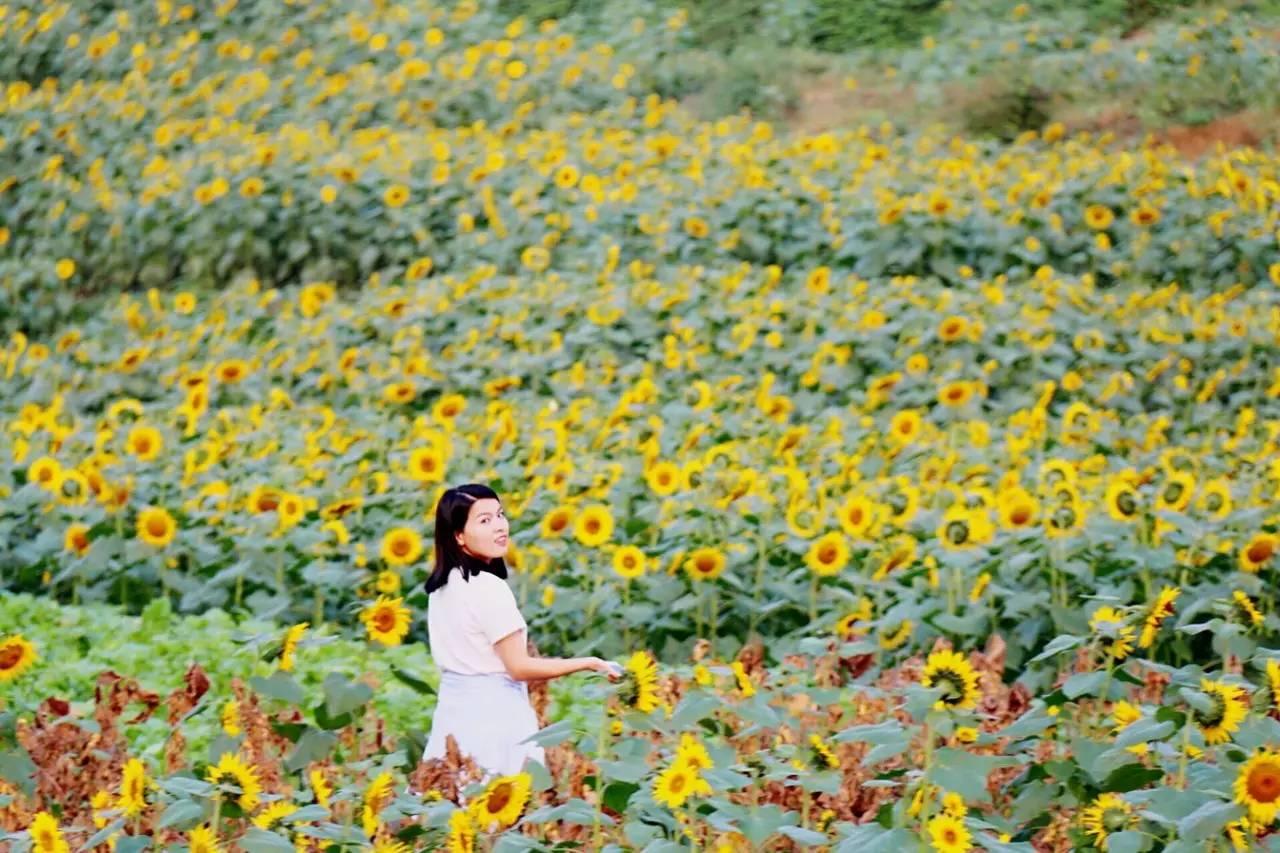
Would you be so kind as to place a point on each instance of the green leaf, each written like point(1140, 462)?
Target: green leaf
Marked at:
point(1143, 731)
point(1208, 821)
point(1131, 777)
point(416, 683)
point(181, 814)
point(314, 745)
point(258, 840)
point(1084, 684)
point(1127, 841)
point(279, 685)
point(342, 695)
point(965, 773)
point(618, 794)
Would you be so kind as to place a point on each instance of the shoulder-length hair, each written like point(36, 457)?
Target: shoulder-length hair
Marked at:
point(451, 517)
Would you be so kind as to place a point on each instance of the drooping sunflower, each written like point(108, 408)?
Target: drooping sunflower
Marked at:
point(828, 554)
point(593, 525)
point(1158, 612)
point(821, 755)
point(1247, 607)
point(891, 637)
point(275, 812)
point(849, 624)
point(901, 552)
point(76, 539)
point(462, 833)
point(376, 796)
point(951, 671)
point(401, 546)
point(45, 835)
point(1258, 552)
point(156, 526)
point(502, 802)
point(639, 690)
point(202, 840)
point(1257, 786)
point(245, 776)
point(290, 645)
point(1273, 682)
point(387, 620)
point(629, 562)
point(1105, 815)
point(1111, 628)
point(133, 789)
point(948, 834)
point(704, 563)
point(1229, 707)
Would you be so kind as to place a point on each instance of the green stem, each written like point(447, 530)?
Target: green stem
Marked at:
point(715, 624)
point(924, 796)
point(317, 617)
point(602, 751)
point(761, 556)
point(813, 597)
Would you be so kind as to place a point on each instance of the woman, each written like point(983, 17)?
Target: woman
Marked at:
point(477, 638)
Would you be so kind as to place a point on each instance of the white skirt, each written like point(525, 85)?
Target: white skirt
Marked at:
point(488, 715)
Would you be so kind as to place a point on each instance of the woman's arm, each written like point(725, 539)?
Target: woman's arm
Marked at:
point(520, 666)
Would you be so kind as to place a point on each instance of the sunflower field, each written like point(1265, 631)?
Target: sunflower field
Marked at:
point(924, 483)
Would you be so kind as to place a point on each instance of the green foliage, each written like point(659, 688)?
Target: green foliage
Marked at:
point(841, 25)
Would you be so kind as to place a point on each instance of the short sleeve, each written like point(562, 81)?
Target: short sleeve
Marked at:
point(494, 607)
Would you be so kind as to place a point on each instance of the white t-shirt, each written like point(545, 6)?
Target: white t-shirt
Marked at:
point(466, 617)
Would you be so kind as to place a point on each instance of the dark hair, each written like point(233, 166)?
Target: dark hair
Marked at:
point(451, 517)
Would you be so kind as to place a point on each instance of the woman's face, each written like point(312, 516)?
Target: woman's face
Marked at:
point(486, 532)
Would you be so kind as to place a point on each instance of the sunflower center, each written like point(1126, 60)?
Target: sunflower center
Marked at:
point(400, 547)
point(1263, 783)
point(952, 684)
point(157, 526)
point(592, 526)
point(1126, 504)
point(677, 783)
point(499, 797)
point(1115, 819)
point(957, 532)
point(827, 554)
point(384, 620)
point(1172, 492)
point(705, 565)
point(9, 656)
point(558, 522)
point(1020, 516)
point(1260, 551)
point(950, 836)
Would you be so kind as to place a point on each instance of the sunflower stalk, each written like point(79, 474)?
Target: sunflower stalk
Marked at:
point(761, 556)
point(924, 782)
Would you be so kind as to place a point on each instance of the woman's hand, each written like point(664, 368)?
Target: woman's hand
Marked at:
point(605, 667)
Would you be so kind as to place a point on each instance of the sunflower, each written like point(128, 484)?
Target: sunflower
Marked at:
point(1098, 216)
point(962, 527)
point(677, 783)
point(232, 371)
point(1017, 508)
point(426, 465)
point(1105, 815)
point(45, 472)
point(902, 502)
point(156, 526)
point(387, 620)
point(901, 552)
point(245, 776)
point(1121, 500)
point(399, 392)
point(947, 834)
point(202, 840)
point(76, 539)
point(891, 638)
point(45, 835)
point(535, 258)
point(1160, 610)
point(291, 510)
point(639, 690)
point(593, 525)
point(828, 554)
point(693, 753)
point(1228, 710)
point(704, 563)
point(1259, 551)
point(144, 442)
point(263, 499)
point(905, 427)
point(1176, 491)
point(951, 671)
point(848, 625)
point(462, 833)
point(1257, 786)
point(858, 516)
point(821, 755)
point(133, 789)
point(376, 796)
point(401, 546)
point(664, 478)
point(628, 562)
point(1215, 499)
point(395, 195)
point(1247, 607)
point(1273, 682)
point(956, 394)
point(745, 687)
point(273, 813)
point(1116, 637)
point(556, 522)
point(16, 656)
point(290, 645)
point(502, 802)
point(341, 507)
